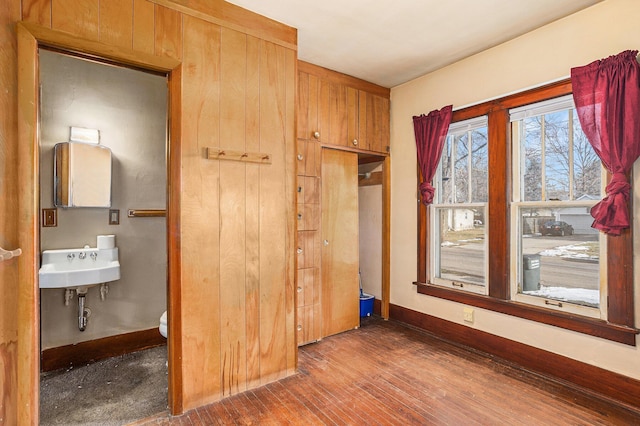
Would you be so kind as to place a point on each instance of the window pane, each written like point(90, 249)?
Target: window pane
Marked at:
point(461, 169)
point(587, 166)
point(479, 166)
point(532, 164)
point(461, 236)
point(445, 182)
point(557, 160)
point(560, 255)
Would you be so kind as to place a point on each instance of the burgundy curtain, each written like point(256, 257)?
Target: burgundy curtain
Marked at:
point(431, 131)
point(607, 97)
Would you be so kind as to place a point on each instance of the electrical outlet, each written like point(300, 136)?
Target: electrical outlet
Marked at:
point(467, 314)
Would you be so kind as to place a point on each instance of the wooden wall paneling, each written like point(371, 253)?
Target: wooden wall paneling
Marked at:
point(363, 137)
point(374, 112)
point(78, 17)
point(338, 115)
point(233, 63)
point(340, 301)
point(300, 293)
point(168, 32)
point(273, 220)
point(252, 226)
point(201, 363)
point(290, 77)
point(313, 103)
point(174, 243)
point(143, 26)
point(386, 238)
point(26, 179)
point(235, 17)
point(302, 128)
point(311, 193)
point(352, 118)
point(307, 248)
point(301, 156)
point(116, 23)
point(10, 411)
point(36, 11)
point(300, 217)
point(323, 101)
point(385, 125)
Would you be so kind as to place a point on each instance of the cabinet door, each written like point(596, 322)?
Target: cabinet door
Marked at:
point(340, 294)
point(373, 125)
point(378, 130)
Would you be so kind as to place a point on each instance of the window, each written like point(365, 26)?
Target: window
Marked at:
point(556, 179)
point(523, 169)
point(459, 208)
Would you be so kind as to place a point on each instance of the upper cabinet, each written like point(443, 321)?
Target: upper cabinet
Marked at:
point(339, 110)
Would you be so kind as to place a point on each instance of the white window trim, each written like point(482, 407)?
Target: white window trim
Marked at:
point(516, 272)
point(434, 261)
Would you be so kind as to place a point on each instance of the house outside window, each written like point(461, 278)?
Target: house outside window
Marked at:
point(459, 208)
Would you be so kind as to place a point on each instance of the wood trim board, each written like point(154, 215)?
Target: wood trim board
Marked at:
point(615, 387)
point(94, 350)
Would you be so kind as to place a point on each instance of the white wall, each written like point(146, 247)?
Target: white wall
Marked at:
point(370, 224)
point(536, 58)
point(130, 110)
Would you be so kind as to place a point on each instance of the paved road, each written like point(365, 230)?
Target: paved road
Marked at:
point(554, 271)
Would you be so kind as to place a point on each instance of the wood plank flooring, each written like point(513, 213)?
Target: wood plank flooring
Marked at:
point(387, 374)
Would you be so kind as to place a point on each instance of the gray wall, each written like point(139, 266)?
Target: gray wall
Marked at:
point(130, 110)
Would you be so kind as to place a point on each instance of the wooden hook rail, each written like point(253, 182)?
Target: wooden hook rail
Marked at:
point(248, 157)
point(8, 254)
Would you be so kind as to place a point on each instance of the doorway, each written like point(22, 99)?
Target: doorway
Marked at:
point(29, 41)
point(125, 112)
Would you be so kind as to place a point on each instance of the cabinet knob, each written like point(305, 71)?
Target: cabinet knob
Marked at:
point(299, 251)
point(325, 242)
point(299, 327)
point(299, 189)
point(299, 216)
point(300, 157)
point(299, 289)
point(316, 135)
point(355, 142)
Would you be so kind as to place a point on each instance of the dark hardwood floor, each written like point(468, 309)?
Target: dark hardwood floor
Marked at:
point(387, 374)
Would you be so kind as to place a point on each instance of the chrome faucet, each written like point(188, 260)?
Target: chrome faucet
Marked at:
point(93, 255)
point(82, 255)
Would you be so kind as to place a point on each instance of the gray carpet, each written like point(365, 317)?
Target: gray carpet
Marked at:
point(115, 391)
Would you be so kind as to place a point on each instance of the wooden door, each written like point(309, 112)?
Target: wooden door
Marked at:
point(340, 294)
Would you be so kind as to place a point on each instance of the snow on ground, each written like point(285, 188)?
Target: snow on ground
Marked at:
point(571, 251)
point(589, 297)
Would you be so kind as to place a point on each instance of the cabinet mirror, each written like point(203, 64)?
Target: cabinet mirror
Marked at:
point(82, 175)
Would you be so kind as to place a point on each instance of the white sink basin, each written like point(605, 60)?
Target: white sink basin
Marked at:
point(78, 268)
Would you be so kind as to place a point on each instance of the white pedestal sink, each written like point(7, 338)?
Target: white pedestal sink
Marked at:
point(78, 268)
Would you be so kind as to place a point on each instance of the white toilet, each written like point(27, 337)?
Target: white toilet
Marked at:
point(163, 324)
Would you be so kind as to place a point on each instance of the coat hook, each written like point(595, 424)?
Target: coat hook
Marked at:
point(221, 152)
point(266, 157)
point(244, 155)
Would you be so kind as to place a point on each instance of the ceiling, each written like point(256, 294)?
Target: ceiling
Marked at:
point(390, 45)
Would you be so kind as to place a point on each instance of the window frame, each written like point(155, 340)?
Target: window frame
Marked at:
point(619, 325)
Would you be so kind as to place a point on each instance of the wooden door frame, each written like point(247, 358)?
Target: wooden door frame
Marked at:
point(30, 38)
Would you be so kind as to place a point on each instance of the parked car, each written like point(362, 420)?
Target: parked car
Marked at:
point(556, 227)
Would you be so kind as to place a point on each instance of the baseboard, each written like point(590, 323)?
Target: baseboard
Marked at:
point(94, 350)
point(604, 383)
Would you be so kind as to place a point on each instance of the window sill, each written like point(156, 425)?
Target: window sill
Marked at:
point(590, 326)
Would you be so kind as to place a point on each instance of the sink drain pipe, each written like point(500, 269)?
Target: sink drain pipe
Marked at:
point(83, 313)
